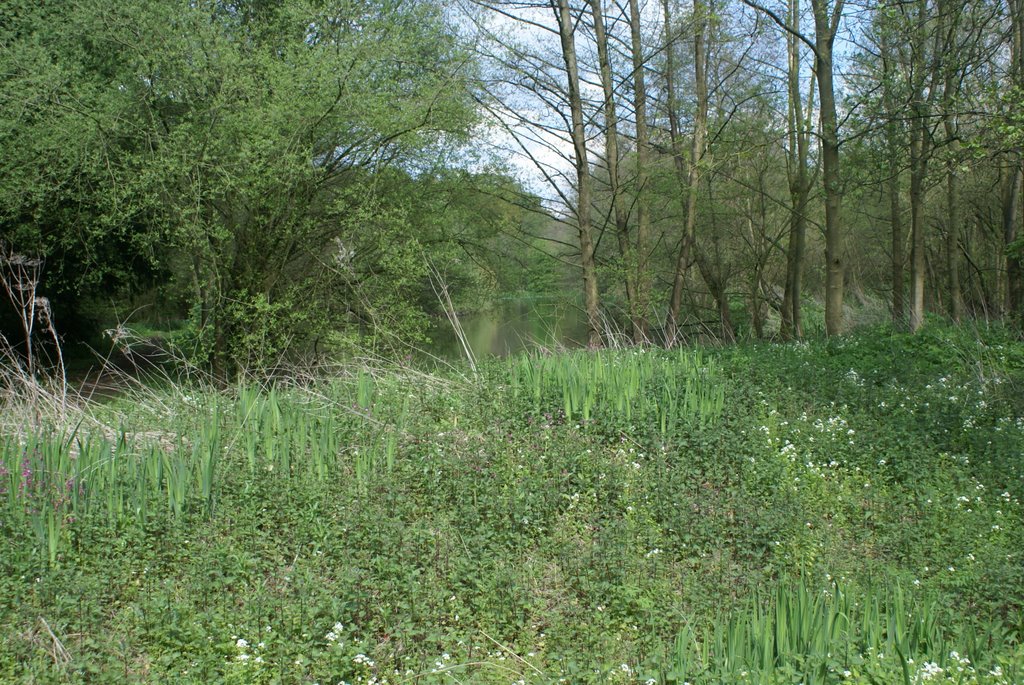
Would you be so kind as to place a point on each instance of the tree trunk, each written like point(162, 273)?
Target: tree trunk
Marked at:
point(956, 303)
point(894, 154)
point(952, 86)
point(643, 279)
point(611, 123)
point(920, 151)
point(757, 239)
point(1011, 211)
point(591, 298)
point(896, 225)
point(918, 169)
point(700, 122)
point(799, 184)
point(717, 287)
point(825, 29)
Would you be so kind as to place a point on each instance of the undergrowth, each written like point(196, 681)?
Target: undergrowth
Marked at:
point(825, 512)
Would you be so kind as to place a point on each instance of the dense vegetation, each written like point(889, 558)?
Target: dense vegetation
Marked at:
point(790, 454)
point(836, 511)
point(272, 180)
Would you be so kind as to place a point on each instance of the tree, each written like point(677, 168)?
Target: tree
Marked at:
point(799, 139)
point(237, 142)
point(689, 173)
point(643, 160)
point(826, 26)
point(1015, 177)
point(611, 155)
point(567, 34)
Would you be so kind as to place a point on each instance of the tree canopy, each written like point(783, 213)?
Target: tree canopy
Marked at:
point(291, 174)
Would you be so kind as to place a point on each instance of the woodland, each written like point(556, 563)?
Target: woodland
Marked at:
point(273, 180)
point(780, 443)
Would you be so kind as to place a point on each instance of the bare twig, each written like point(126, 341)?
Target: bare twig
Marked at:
point(61, 656)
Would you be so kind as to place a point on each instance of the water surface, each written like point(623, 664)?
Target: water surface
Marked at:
point(511, 326)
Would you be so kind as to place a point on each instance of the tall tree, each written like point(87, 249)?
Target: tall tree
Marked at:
point(567, 24)
point(643, 159)
point(611, 154)
point(1015, 177)
point(828, 15)
point(689, 170)
point(799, 134)
point(921, 75)
point(826, 28)
point(893, 133)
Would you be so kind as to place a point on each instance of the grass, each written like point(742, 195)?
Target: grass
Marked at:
point(843, 511)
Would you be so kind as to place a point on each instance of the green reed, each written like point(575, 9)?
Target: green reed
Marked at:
point(798, 633)
point(675, 389)
point(52, 479)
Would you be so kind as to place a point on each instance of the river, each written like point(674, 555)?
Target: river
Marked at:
point(511, 326)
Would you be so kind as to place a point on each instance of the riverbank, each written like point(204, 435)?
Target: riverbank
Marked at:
point(622, 517)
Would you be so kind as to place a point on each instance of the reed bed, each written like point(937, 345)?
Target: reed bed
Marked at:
point(671, 389)
point(55, 476)
point(800, 633)
point(52, 478)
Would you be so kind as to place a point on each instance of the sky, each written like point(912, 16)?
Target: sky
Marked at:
point(539, 155)
point(530, 151)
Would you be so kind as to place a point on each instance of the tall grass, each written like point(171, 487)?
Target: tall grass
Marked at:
point(52, 478)
point(800, 634)
point(671, 389)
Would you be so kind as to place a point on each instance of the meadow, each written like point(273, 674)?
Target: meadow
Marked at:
point(833, 511)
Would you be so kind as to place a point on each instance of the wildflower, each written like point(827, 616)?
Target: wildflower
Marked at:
point(930, 670)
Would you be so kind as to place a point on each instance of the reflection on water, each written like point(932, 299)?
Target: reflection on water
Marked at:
point(512, 326)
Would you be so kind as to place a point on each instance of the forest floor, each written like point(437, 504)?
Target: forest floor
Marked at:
point(841, 511)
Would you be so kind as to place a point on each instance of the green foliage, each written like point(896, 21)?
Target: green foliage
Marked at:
point(390, 520)
point(615, 388)
point(828, 636)
point(238, 151)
